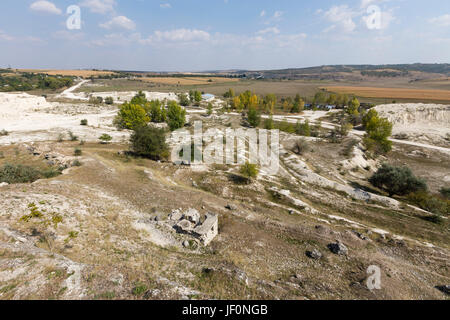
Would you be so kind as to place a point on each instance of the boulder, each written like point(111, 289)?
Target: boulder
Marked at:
point(338, 248)
point(314, 254)
point(192, 215)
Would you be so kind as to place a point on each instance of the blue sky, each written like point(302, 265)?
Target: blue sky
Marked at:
point(198, 35)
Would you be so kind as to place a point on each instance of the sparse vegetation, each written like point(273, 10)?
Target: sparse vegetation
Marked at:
point(301, 146)
point(105, 138)
point(17, 173)
point(84, 122)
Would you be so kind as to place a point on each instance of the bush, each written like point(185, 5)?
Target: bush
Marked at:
point(105, 138)
point(303, 129)
point(84, 122)
point(176, 116)
point(430, 203)
point(268, 124)
point(4, 132)
point(301, 146)
point(77, 152)
point(109, 100)
point(445, 192)
point(397, 180)
point(249, 170)
point(11, 173)
point(254, 117)
point(210, 109)
point(184, 99)
point(72, 137)
point(150, 143)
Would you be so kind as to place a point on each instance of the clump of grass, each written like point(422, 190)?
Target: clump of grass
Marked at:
point(84, 122)
point(77, 152)
point(76, 163)
point(72, 136)
point(139, 289)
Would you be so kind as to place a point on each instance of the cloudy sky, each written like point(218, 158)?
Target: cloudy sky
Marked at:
point(198, 35)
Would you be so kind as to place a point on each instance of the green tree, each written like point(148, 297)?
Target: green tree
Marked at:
point(197, 96)
point(109, 100)
point(139, 99)
point(184, 99)
point(229, 94)
point(131, 116)
point(157, 111)
point(397, 180)
point(268, 123)
point(176, 116)
point(105, 138)
point(353, 107)
point(150, 143)
point(254, 117)
point(378, 132)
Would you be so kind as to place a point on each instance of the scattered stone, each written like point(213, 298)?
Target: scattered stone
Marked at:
point(291, 212)
point(314, 254)
point(186, 244)
point(231, 207)
point(338, 248)
point(360, 235)
point(3, 184)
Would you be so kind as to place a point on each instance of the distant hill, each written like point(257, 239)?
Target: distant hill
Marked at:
point(337, 72)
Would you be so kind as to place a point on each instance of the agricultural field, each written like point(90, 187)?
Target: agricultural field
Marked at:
point(69, 73)
point(188, 81)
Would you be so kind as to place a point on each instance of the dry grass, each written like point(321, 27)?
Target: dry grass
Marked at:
point(188, 81)
point(392, 93)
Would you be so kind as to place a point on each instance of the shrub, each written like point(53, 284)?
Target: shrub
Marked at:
point(254, 117)
point(72, 137)
point(109, 100)
point(105, 138)
point(210, 109)
point(176, 116)
point(131, 116)
point(149, 143)
point(301, 146)
point(60, 137)
point(77, 152)
point(84, 122)
point(11, 173)
point(445, 192)
point(430, 203)
point(4, 132)
point(249, 170)
point(268, 124)
point(184, 99)
point(303, 129)
point(397, 180)
point(76, 163)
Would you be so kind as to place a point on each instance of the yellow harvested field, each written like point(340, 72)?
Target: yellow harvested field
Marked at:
point(73, 73)
point(392, 93)
point(188, 80)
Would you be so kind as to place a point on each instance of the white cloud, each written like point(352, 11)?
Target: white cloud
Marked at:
point(442, 21)
point(99, 6)
point(341, 17)
point(182, 35)
point(4, 36)
point(272, 30)
point(45, 6)
point(165, 5)
point(119, 22)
